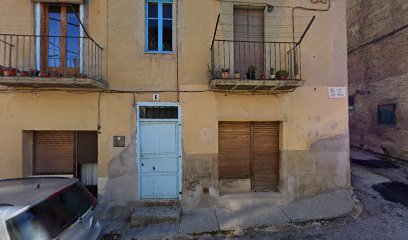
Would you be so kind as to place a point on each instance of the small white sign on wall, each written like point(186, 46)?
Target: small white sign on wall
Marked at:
point(337, 92)
point(156, 97)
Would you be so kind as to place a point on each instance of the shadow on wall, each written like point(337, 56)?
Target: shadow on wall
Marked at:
point(120, 193)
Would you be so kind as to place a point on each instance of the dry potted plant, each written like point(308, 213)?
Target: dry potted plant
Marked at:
point(251, 71)
point(282, 75)
point(272, 74)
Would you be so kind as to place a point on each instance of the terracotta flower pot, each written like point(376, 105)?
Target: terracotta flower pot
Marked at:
point(225, 75)
point(43, 74)
point(10, 72)
point(23, 74)
point(237, 75)
point(54, 74)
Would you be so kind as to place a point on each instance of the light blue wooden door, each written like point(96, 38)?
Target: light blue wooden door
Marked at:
point(159, 152)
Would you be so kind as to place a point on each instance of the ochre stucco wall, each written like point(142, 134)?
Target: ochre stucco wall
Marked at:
point(314, 146)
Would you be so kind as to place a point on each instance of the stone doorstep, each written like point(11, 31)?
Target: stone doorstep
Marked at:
point(144, 216)
point(161, 203)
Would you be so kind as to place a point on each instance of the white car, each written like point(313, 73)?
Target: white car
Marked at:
point(47, 208)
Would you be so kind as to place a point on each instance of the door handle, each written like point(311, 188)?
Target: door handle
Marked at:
point(154, 168)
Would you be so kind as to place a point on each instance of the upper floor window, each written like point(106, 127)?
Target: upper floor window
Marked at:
point(60, 43)
point(159, 26)
point(386, 114)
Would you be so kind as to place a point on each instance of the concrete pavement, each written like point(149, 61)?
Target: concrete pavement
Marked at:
point(237, 217)
point(324, 206)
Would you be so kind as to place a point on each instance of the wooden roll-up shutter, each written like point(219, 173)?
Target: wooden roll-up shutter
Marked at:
point(234, 150)
point(54, 152)
point(87, 147)
point(265, 156)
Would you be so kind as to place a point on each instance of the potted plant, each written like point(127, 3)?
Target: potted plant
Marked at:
point(54, 74)
point(263, 76)
point(296, 71)
point(43, 74)
point(282, 74)
point(272, 74)
point(237, 75)
point(225, 73)
point(33, 72)
point(251, 71)
point(23, 73)
point(10, 72)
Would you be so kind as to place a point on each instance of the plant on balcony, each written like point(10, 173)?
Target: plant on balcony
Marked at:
point(225, 73)
point(282, 75)
point(54, 74)
point(10, 72)
point(251, 74)
point(34, 72)
point(272, 74)
point(43, 74)
point(23, 73)
point(237, 75)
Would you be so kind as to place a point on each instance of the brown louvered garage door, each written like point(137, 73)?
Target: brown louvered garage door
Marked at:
point(54, 152)
point(234, 160)
point(87, 147)
point(250, 150)
point(265, 156)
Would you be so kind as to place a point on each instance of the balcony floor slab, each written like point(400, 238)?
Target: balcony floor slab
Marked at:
point(51, 82)
point(231, 85)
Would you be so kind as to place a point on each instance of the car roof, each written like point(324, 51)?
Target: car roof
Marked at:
point(17, 194)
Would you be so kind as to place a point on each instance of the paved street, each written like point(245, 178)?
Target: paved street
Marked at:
point(381, 212)
point(380, 219)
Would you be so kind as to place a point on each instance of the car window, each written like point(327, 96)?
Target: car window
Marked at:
point(51, 216)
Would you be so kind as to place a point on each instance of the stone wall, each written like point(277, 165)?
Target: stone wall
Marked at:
point(377, 68)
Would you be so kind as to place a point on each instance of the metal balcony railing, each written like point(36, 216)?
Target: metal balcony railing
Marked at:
point(50, 56)
point(248, 51)
point(256, 60)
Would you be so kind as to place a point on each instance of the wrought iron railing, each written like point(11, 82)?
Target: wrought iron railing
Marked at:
point(255, 60)
point(50, 56)
point(244, 56)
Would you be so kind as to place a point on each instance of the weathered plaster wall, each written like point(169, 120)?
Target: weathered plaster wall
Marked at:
point(314, 140)
point(377, 73)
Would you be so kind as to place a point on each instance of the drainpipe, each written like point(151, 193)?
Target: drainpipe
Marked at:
point(177, 51)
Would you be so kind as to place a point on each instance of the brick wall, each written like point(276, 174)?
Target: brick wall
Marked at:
point(378, 73)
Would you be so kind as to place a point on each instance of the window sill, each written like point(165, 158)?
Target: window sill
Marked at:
point(158, 53)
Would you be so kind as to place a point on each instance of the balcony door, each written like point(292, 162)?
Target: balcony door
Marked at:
point(249, 40)
point(60, 42)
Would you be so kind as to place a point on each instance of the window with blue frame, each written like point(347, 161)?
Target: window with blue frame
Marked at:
point(159, 26)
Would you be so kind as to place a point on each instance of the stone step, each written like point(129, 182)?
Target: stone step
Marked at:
point(161, 203)
point(144, 216)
